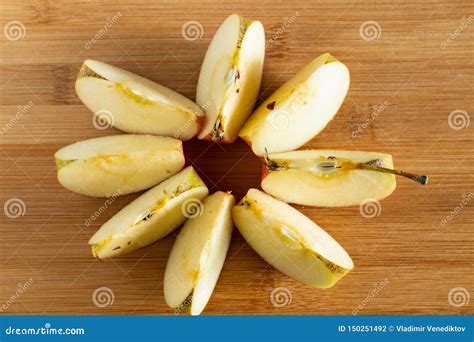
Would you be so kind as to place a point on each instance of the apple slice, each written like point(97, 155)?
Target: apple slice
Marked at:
point(290, 241)
point(230, 78)
point(151, 216)
point(299, 109)
point(198, 255)
point(118, 164)
point(135, 104)
point(330, 178)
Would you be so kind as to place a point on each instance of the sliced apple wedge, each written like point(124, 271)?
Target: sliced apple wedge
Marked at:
point(135, 104)
point(198, 255)
point(331, 178)
point(230, 78)
point(119, 164)
point(151, 216)
point(299, 109)
point(290, 241)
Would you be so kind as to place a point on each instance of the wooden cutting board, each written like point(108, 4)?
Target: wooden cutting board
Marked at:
point(411, 65)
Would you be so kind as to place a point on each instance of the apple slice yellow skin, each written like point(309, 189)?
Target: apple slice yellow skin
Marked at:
point(198, 254)
point(135, 104)
point(118, 165)
point(290, 241)
point(230, 78)
point(310, 186)
point(299, 109)
point(151, 216)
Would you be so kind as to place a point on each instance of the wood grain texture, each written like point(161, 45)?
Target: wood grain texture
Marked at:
point(406, 247)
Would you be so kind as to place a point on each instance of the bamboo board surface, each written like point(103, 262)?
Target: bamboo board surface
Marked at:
point(418, 66)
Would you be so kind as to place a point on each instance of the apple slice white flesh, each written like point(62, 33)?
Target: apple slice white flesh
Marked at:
point(230, 78)
point(329, 178)
point(136, 104)
point(290, 241)
point(119, 164)
point(198, 255)
point(299, 109)
point(151, 216)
